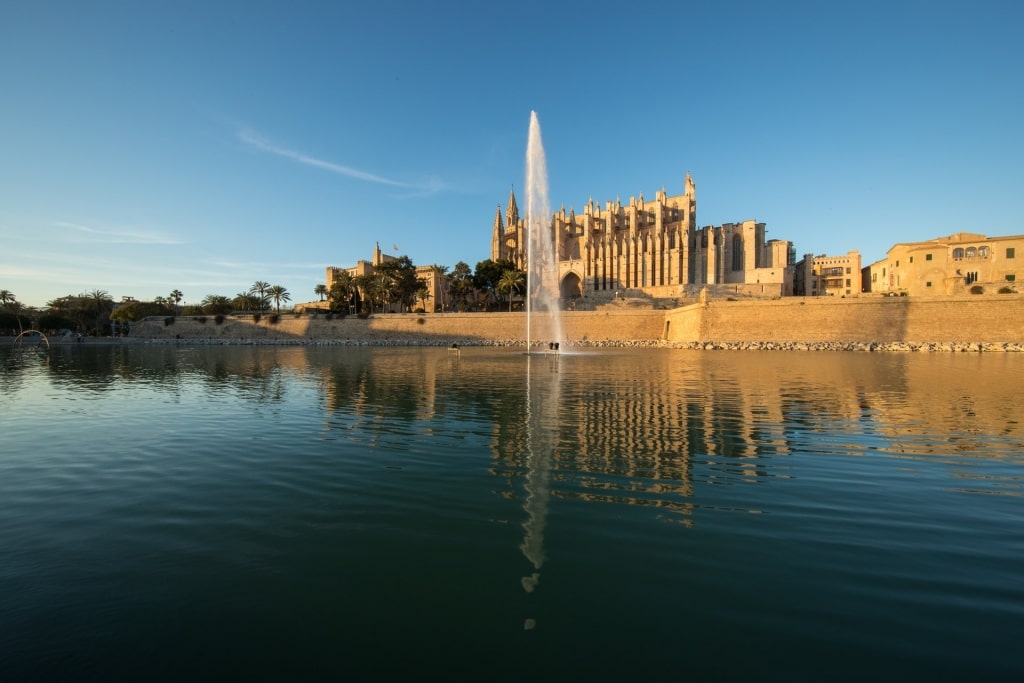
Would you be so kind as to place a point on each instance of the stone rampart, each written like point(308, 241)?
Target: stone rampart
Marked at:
point(793, 320)
point(430, 328)
point(861, 319)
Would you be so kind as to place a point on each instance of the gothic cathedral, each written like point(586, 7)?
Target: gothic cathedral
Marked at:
point(654, 248)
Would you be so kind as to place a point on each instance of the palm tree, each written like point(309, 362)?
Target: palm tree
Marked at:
point(175, 297)
point(103, 304)
point(213, 304)
point(382, 284)
point(441, 272)
point(279, 294)
point(511, 281)
point(343, 291)
point(423, 294)
point(246, 301)
point(261, 289)
point(320, 290)
point(9, 301)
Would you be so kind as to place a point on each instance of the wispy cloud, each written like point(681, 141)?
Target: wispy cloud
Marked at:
point(257, 141)
point(118, 236)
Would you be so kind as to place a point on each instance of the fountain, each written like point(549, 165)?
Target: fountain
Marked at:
point(541, 261)
point(542, 395)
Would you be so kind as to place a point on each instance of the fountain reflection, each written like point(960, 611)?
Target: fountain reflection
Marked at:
point(541, 432)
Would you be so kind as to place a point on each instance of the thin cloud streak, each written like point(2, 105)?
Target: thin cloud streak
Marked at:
point(117, 236)
point(257, 141)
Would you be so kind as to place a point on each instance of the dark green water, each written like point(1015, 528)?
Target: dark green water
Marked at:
point(290, 513)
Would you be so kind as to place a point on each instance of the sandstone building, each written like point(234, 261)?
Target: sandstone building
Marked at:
point(962, 263)
point(828, 275)
point(433, 281)
point(651, 247)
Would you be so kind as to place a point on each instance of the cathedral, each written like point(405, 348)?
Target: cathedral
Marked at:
point(651, 248)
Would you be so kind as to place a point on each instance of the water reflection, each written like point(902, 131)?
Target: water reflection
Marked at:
point(411, 498)
point(541, 425)
point(627, 427)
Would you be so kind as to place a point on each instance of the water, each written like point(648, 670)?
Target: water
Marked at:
point(289, 513)
point(543, 324)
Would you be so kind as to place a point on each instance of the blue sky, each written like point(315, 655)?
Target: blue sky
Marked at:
point(148, 146)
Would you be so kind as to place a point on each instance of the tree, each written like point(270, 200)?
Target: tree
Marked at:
point(461, 284)
point(261, 289)
point(213, 304)
point(101, 305)
point(423, 294)
point(175, 298)
point(246, 301)
point(343, 293)
point(511, 282)
point(488, 273)
point(403, 282)
point(441, 272)
point(320, 290)
point(137, 310)
point(279, 294)
point(12, 311)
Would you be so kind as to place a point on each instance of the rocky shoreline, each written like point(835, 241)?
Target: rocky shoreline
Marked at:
point(568, 345)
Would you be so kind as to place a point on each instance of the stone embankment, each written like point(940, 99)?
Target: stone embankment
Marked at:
point(899, 347)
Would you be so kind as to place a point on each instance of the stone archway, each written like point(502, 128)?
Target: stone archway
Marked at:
point(571, 288)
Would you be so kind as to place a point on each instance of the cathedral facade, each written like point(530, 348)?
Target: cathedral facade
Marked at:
point(651, 247)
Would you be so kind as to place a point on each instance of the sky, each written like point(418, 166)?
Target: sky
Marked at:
point(147, 146)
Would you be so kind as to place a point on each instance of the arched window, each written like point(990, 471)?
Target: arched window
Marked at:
point(982, 252)
point(958, 253)
point(971, 252)
point(737, 252)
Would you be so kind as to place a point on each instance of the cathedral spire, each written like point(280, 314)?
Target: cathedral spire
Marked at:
point(498, 225)
point(512, 214)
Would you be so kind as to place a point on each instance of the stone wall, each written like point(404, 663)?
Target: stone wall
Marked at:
point(867, 319)
point(431, 328)
point(798, 319)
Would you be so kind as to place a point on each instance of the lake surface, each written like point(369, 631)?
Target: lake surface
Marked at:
point(335, 513)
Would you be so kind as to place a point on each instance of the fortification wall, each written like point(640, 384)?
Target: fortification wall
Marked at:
point(866, 319)
point(431, 328)
point(797, 319)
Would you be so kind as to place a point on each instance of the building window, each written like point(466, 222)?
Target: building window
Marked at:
point(927, 284)
point(847, 283)
point(927, 257)
point(958, 253)
point(982, 252)
point(874, 277)
point(847, 270)
point(1011, 277)
point(1010, 252)
point(897, 264)
point(911, 259)
point(971, 252)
